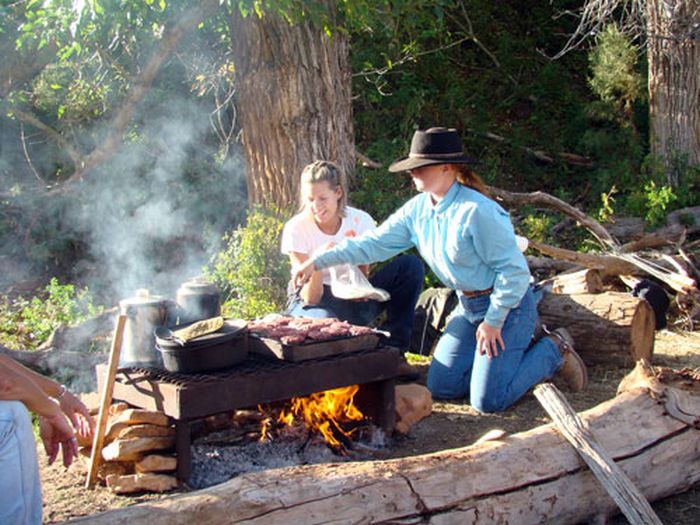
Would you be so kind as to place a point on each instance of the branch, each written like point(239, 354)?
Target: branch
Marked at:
point(569, 158)
point(539, 198)
point(609, 265)
point(366, 161)
point(142, 83)
point(32, 120)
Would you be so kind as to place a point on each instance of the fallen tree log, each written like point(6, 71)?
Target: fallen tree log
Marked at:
point(70, 351)
point(608, 328)
point(581, 281)
point(530, 477)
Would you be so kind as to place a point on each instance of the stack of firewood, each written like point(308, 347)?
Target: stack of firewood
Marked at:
point(138, 451)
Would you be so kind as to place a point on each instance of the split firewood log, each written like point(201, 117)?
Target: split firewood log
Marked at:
point(135, 448)
point(110, 468)
point(156, 463)
point(134, 431)
point(530, 477)
point(142, 482)
point(610, 327)
point(587, 280)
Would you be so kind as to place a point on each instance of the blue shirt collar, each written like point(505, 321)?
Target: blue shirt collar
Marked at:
point(430, 209)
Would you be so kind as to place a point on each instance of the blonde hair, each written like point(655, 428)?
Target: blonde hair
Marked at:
point(467, 177)
point(320, 171)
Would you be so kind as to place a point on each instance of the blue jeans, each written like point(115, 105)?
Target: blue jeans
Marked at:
point(20, 489)
point(495, 383)
point(402, 278)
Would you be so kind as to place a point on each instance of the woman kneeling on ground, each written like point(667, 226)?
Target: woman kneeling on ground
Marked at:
point(468, 241)
point(324, 220)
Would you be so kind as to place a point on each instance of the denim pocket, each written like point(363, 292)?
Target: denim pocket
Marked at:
point(475, 308)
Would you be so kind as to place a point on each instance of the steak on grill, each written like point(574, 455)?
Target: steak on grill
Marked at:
point(297, 330)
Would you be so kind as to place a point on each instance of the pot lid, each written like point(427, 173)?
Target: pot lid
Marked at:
point(198, 285)
point(142, 298)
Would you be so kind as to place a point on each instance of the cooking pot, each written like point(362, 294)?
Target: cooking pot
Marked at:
point(197, 299)
point(224, 348)
point(144, 313)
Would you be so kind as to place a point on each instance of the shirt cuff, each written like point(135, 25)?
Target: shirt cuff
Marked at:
point(496, 316)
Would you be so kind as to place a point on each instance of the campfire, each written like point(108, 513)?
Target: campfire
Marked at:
point(332, 413)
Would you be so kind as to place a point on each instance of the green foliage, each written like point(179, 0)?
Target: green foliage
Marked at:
point(26, 323)
point(250, 270)
point(615, 78)
point(537, 226)
point(606, 212)
point(653, 202)
point(59, 92)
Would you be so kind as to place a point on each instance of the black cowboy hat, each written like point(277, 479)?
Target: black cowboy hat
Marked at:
point(433, 146)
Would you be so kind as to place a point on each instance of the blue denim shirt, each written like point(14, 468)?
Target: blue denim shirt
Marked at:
point(467, 240)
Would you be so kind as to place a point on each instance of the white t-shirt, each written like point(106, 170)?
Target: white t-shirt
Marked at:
point(302, 235)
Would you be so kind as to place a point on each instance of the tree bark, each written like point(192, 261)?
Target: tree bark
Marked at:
point(627, 496)
point(531, 477)
point(673, 51)
point(623, 325)
point(293, 97)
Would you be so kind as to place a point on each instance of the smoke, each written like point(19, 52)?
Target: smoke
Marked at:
point(154, 216)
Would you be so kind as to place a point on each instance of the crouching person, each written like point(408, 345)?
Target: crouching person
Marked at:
point(468, 241)
point(326, 219)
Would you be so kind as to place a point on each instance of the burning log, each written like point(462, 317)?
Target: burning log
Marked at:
point(531, 477)
point(610, 327)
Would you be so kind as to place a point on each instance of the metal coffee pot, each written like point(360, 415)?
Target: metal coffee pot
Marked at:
point(197, 299)
point(144, 313)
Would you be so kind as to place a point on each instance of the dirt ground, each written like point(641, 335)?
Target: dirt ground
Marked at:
point(451, 425)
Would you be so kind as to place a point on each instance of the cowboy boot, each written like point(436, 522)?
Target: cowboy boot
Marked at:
point(573, 371)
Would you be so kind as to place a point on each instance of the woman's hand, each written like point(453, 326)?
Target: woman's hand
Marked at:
point(77, 413)
point(488, 338)
point(303, 273)
point(56, 433)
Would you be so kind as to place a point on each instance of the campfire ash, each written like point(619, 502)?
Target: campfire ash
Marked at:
point(321, 428)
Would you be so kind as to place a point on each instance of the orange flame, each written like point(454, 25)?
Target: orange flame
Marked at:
point(325, 412)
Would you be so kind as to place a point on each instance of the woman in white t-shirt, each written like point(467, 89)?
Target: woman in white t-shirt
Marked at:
point(325, 219)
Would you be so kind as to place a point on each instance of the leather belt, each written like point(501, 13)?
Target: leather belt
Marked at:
point(477, 293)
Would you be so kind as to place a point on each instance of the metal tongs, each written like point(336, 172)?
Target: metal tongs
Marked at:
point(294, 296)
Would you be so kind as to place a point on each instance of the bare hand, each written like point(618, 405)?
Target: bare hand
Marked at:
point(56, 434)
point(303, 273)
point(488, 338)
point(78, 414)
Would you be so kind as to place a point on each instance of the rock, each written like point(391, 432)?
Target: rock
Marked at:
point(156, 463)
point(413, 403)
point(140, 483)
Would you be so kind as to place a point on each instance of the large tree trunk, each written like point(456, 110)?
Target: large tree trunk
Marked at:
point(531, 477)
point(674, 82)
point(293, 98)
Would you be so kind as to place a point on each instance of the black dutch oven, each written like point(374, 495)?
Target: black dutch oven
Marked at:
point(224, 348)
